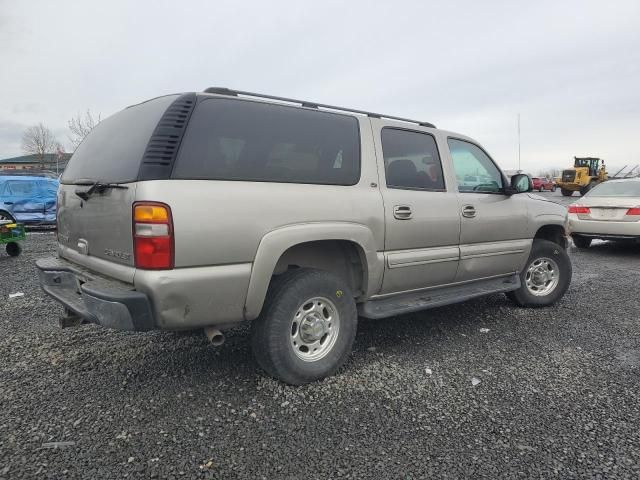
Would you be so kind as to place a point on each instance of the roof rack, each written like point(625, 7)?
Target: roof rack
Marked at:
point(304, 103)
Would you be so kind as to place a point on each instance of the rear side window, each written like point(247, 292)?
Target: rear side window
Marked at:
point(411, 160)
point(112, 152)
point(251, 141)
point(20, 188)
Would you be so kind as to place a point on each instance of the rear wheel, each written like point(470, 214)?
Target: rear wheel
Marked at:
point(566, 193)
point(306, 328)
point(545, 277)
point(553, 188)
point(580, 241)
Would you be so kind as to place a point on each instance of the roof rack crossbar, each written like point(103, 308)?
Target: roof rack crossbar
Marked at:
point(304, 103)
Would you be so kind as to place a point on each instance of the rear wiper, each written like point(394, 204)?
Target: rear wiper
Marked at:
point(96, 187)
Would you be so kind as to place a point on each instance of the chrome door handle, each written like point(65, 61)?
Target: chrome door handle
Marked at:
point(469, 211)
point(402, 212)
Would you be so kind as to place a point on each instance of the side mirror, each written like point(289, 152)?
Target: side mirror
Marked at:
point(520, 183)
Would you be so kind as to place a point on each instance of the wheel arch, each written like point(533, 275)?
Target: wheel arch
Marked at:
point(8, 214)
point(346, 249)
point(552, 232)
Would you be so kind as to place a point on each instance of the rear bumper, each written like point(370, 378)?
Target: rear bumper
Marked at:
point(107, 302)
point(604, 229)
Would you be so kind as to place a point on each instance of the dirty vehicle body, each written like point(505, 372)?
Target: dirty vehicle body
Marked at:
point(611, 211)
point(29, 199)
point(542, 184)
point(222, 207)
point(587, 172)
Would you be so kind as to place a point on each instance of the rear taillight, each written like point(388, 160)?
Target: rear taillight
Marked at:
point(579, 209)
point(634, 211)
point(152, 236)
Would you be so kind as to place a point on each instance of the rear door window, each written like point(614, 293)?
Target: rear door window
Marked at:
point(411, 160)
point(252, 141)
point(21, 188)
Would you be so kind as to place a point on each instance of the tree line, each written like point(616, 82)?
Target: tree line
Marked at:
point(39, 140)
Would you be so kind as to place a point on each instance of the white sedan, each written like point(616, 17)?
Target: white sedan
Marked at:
point(610, 211)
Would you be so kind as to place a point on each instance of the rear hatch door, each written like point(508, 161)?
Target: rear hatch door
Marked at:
point(98, 188)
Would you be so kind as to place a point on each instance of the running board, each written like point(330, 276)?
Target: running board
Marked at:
point(415, 301)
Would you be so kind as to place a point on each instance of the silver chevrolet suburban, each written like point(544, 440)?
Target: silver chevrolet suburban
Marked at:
point(207, 210)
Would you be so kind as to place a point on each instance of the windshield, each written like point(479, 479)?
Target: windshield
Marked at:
point(629, 188)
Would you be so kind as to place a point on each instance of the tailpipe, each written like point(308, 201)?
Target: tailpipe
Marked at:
point(215, 336)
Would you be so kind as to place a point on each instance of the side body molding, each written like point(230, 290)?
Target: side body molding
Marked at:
point(276, 242)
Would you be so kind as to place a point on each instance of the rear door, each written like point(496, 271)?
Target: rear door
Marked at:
point(100, 227)
point(422, 221)
point(493, 231)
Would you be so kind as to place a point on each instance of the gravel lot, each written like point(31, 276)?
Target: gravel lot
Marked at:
point(557, 395)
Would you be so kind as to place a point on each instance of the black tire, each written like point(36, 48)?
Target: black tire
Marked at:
point(13, 249)
point(272, 332)
point(581, 242)
point(544, 249)
point(541, 189)
point(553, 188)
point(566, 193)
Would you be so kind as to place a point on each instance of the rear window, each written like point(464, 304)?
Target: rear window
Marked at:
point(251, 141)
point(617, 188)
point(112, 152)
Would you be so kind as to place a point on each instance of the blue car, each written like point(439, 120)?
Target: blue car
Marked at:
point(29, 199)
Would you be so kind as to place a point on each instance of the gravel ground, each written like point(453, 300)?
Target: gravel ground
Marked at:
point(477, 390)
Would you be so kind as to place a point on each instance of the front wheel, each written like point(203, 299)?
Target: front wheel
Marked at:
point(553, 188)
point(306, 328)
point(546, 276)
point(566, 193)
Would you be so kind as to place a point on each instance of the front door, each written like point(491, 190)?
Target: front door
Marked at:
point(493, 233)
point(422, 220)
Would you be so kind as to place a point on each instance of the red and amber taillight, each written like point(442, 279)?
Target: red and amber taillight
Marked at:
point(152, 236)
point(579, 209)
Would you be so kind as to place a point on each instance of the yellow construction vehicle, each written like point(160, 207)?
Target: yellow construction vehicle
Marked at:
point(587, 172)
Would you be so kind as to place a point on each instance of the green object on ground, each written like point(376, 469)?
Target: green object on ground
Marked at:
point(10, 234)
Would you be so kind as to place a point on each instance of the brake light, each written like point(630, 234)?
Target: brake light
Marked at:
point(578, 209)
point(153, 243)
point(634, 211)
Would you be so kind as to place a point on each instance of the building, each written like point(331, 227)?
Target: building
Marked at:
point(50, 162)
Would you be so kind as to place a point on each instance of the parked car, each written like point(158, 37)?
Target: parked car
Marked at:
point(29, 199)
point(542, 184)
point(609, 211)
point(224, 207)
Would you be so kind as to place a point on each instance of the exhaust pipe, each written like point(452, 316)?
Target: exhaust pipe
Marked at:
point(215, 336)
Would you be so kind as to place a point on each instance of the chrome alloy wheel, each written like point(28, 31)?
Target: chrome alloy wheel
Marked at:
point(542, 276)
point(314, 329)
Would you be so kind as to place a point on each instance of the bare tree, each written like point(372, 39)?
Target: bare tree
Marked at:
point(80, 126)
point(38, 140)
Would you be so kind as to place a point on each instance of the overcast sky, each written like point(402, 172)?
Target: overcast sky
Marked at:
point(571, 68)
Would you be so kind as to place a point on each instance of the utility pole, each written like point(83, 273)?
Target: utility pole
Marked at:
point(519, 168)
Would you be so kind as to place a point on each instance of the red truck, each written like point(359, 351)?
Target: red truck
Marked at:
point(542, 184)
